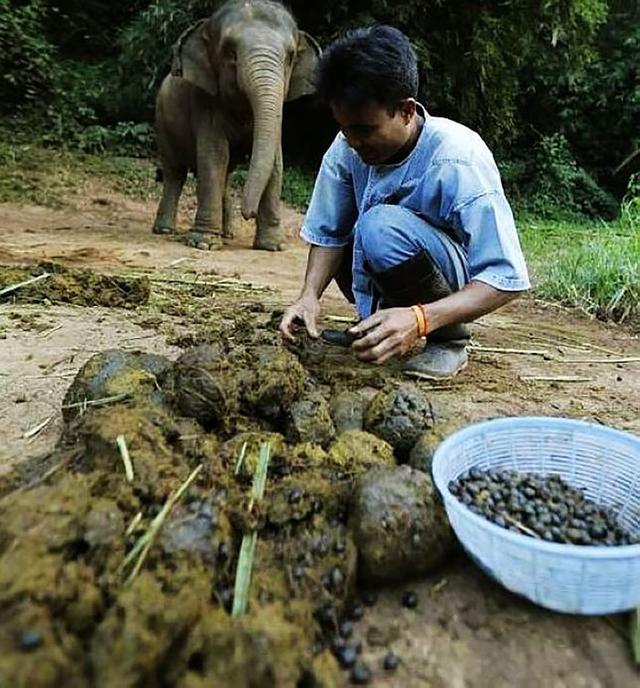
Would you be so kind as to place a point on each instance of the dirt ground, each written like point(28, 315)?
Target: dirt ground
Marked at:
point(531, 358)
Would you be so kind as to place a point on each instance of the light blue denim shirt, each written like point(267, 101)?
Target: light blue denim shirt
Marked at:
point(450, 179)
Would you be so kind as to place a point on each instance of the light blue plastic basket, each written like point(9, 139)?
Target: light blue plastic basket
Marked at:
point(567, 578)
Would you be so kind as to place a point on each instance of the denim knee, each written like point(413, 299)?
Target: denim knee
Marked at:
point(382, 233)
point(388, 235)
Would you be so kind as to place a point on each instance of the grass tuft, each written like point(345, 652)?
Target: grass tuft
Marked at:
point(593, 267)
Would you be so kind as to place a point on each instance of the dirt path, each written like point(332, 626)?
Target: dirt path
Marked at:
point(466, 631)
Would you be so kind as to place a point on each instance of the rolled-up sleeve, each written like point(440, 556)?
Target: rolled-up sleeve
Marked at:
point(474, 205)
point(332, 211)
point(494, 253)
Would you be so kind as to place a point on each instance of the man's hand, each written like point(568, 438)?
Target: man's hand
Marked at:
point(387, 333)
point(305, 309)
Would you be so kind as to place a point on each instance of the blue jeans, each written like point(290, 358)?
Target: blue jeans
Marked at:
point(388, 235)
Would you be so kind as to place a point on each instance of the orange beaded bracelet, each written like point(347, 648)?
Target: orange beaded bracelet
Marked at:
point(427, 327)
point(421, 321)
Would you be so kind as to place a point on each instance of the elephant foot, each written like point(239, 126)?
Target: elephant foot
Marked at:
point(269, 239)
point(159, 229)
point(205, 241)
point(268, 244)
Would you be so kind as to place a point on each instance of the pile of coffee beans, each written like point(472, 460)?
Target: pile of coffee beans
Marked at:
point(545, 507)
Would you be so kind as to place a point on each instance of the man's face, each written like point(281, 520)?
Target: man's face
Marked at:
point(372, 132)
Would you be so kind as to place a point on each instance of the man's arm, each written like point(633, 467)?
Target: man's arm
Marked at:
point(472, 301)
point(393, 331)
point(322, 266)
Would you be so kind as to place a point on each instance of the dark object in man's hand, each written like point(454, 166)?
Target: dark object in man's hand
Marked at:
point(338, 337)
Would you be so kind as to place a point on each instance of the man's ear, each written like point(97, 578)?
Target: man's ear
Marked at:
point(191, 59)
point(408, 109)
point(304, 67)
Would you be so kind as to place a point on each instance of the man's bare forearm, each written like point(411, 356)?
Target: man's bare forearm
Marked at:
point(474, 300)
point(322, 266)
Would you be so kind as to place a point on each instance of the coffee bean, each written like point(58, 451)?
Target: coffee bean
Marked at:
point(223, 552)
point(295, 495)
point(390, 662)
point(337, 644)
point(325, 615)
point(360, 674)
point(356, 612)
point(346, 656)
point(409, 599)
point(346, 629)
point(370, 597)
point(30, 639)
point(337, 578)
point(226, 598)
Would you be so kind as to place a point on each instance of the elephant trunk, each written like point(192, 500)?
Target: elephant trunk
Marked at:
point(264, 87)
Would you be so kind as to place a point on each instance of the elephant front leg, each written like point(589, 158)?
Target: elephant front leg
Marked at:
point(269, 234)
point(213, 160)
point(172, 184)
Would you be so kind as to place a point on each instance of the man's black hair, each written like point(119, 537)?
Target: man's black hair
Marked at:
point(373, 64)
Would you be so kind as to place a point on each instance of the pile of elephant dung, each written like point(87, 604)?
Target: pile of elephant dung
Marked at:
point(83, 602)
point(77, 287)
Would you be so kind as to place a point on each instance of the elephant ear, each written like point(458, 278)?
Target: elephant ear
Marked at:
point(191, 58)
point(303, 74)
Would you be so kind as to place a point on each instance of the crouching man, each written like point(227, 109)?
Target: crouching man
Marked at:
point(408, 214)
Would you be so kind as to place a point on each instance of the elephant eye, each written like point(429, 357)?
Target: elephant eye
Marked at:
point(229, 52)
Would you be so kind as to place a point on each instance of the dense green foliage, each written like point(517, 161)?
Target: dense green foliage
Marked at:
point(597, 111)
point(26, 56)
point(552, 85)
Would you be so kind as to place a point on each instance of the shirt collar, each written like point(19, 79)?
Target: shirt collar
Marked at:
point(422, 111)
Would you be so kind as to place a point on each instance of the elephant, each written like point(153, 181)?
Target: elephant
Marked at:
point(230, 75)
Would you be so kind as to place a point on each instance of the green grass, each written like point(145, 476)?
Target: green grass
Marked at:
point(297, 186)
point(35, 173)
point(592, 266)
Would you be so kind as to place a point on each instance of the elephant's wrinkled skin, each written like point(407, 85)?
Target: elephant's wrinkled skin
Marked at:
point(229, 78)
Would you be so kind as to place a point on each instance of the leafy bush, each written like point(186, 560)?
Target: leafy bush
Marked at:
point(596, 108)
point(123, 138)
point(145, 51)
point(473, 56)
point(77, 117)
point(630, 207)
point(26, 57)
point(549, 183)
